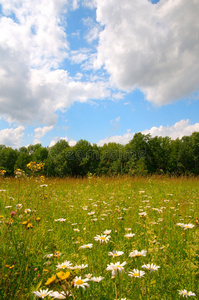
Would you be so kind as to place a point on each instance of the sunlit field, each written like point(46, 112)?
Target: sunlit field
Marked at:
point(99, 238)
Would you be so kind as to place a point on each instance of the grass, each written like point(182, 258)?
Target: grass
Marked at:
point(89, 207)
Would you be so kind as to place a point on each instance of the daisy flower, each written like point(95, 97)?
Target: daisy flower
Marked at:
point(91, 213)
point(117, 267)
point(43, 185)
point(107, 231)
point(136, 273)
point(102, 238)
point(19, 206)
point(79, 282)
point(60, 220)
point(57, 295)
point(186, 294)
point(88, 275)
point(129, 235)
point(81, 267)
point(151, 267)
point(64, 265)
point(136, 253)
point(27, 210)
point(115, 253)
point(97, 279)
point(180, 224)
point(141, 192)
point(188, 226)
point(143, 214)
point(86, 246)
point(42, 293)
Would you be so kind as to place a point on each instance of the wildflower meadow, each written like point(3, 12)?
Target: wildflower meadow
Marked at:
point(99, 238)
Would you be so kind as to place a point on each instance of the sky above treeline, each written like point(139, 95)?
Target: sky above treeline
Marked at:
point(99, 70)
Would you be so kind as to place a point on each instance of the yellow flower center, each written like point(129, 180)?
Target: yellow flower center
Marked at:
point(79, 282)
point(102, 238)
point(63, 267)
point(136, 274)
point(118, 266)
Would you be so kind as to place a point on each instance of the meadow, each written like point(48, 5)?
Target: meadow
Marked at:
point(77, 238)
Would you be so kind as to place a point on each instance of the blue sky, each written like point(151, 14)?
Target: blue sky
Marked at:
point(97, 70)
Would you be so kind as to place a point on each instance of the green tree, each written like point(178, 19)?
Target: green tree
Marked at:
point(8, 158)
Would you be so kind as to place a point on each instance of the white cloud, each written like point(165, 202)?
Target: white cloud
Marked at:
point(89, 3)
point(178, 130)
point(57, 139)
point(151, 47)
point(40, 132)
point(12, 137)
point(120, 139)
point(93, 29)
point(72, 143)
point(78, 56)
point(33, 44)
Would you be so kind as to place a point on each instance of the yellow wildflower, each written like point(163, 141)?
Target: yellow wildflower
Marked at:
point(50, 280)
point(29, 225)
point(62, 275)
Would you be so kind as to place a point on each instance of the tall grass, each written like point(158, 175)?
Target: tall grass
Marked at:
point(89, 207)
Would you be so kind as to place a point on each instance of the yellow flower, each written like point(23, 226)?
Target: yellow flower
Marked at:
point(38, 219)
point(50, 280)
point(62, 275)
point(10, 267)
point(29, 225)
point(25, 222)
point(1, 217)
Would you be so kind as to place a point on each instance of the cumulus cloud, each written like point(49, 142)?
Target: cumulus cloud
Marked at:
point(12, 137)
point(178, 130)
point(57, 139)
point(153, 47)
point(40, 132)
point(33, 44)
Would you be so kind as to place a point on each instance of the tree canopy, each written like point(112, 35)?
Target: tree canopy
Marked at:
point(142, 155)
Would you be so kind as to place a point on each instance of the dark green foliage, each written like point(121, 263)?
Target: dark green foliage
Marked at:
point(141, 156)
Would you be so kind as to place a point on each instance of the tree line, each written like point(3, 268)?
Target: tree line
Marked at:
point(141, 156)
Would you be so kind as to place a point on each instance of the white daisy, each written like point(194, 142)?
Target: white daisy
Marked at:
point(42, 293)
point(97, 279)
point(188, 226)
point(115, 253)
point(117, 267)
point(186, 294)
point(64, 265)
point(19, 206)
point(57, 295)
point(79, 282)
point(107, 231)
point(102, 238)
point(136, 273)
point(86, 246)
point(81, 267)
point(129, 235)
point(151, 267)
point(136, 253)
